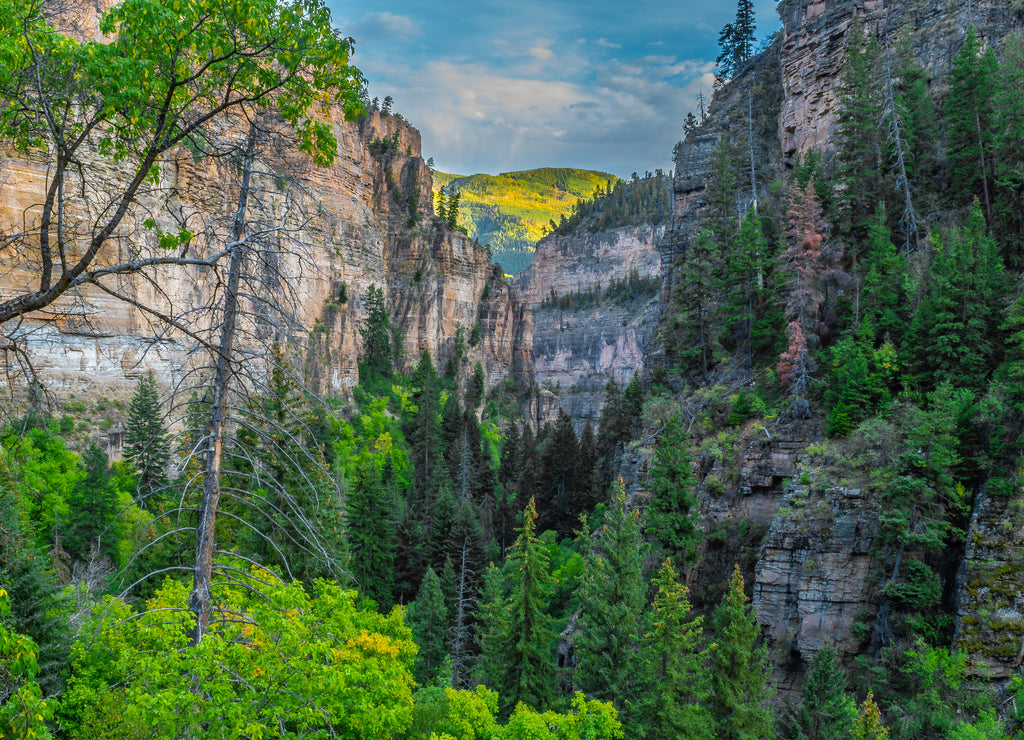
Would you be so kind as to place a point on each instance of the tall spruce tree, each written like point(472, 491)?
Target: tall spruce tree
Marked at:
point(518, 639)
point(611, 601)
point(673, 510)
point(369, 508)
point(676, 685)
point(736, 40)
point(825, 711)
point(1009, 173)
point(428, 618)
point(377, 335)
point(92, 509)
point(147, 445)
point(970, 115)
point(739, 670)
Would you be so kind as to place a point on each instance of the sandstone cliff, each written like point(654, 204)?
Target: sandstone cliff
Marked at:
point(362, 234)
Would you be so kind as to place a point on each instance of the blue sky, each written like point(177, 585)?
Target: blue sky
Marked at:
point(497, 86)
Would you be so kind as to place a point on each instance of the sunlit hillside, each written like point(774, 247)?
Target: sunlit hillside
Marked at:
point(512, 210)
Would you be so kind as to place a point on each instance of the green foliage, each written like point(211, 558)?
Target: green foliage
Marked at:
point(825, 711)
point(378, 351)
point(276, 658)
point(428, 618)
point(739, 669)
point(146, 445)
point(92, 508)
point(673, 509)
point(611, 599)
point(23, 712)
point(518, 641)
point(636, 202)
point(676, 685)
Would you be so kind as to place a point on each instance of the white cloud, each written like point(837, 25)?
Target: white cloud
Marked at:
point(608, 44)
point(385, 25)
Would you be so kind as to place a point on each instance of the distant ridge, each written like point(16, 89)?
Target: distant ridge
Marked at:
point(511, 211)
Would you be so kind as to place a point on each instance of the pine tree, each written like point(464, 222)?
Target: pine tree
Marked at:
point(970, 116)
point(611, 599)
point(427, 616)
point(677, 687)
point(690, 321)
point(1009, 172)
point(377, 334)
point(747, 285)
point(882, 296)
point(956, 334)
point(825, 711)
point(557, 507)
point(424, 432)
point(739, 670)
point(92, 509)
point(801, 264)
point(369, 510)
point(848, 393)
point(861, 169)
point(868, 725)
point(737, 39)
point(520, 645)
point(147, 445)
point(673, 510)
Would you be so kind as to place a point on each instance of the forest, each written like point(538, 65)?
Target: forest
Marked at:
point(418, 561)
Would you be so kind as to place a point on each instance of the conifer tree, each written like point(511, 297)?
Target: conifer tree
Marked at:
point(369, 509)
point(428, 618)
point(424, 433)
point(92, 508)
point(377, 334)
point(1009, 173)
point(868, 725)
point(518, 641)
point(147, 445)
point(970, 115)
point(747, 284)
point(801, 264)
point(956, 334)
point(825, 711)
point(736, 39)
point(882, 299)
point(860, 168)
point(690, 323)
point(611, 599)
point(739, 669)
point(673, 509)
point(677, 687)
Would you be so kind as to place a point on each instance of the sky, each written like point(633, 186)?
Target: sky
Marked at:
point(499, 86)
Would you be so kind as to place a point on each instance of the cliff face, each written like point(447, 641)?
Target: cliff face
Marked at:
point(434, 279)
point(577, 348)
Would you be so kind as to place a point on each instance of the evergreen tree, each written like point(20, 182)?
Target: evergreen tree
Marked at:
point(92, 509)
point(848, 393)
point(825, 711)
point(611, 599)
point(861, 166)
point(868, 725)
point(882, 294)
point(736, 39)
point(672, 514)
point(519, 647)
point(377, 334)
point(739, 670)
point(749, 322)
point(557, 507)
point(424, 433)
point(801, 264)
point(1009, 171)
point(369, 510)
point(427, 616)
point(971, 121)
point(677, 687)
point(690, 323)
point(146, 444)
point(956, 334)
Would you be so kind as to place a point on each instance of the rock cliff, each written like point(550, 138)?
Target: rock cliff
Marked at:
point(580, 344)
point(363, 234)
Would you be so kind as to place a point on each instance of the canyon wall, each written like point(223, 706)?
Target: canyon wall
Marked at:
point(579, 347)
point(359, 231)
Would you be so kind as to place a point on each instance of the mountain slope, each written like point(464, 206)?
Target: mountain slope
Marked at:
point(511, 211)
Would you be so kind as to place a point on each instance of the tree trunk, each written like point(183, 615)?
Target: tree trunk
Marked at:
point(199, 598)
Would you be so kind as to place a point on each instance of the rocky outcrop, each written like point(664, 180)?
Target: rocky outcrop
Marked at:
point(990, 585)
point(578, 345)
point(812, 583)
